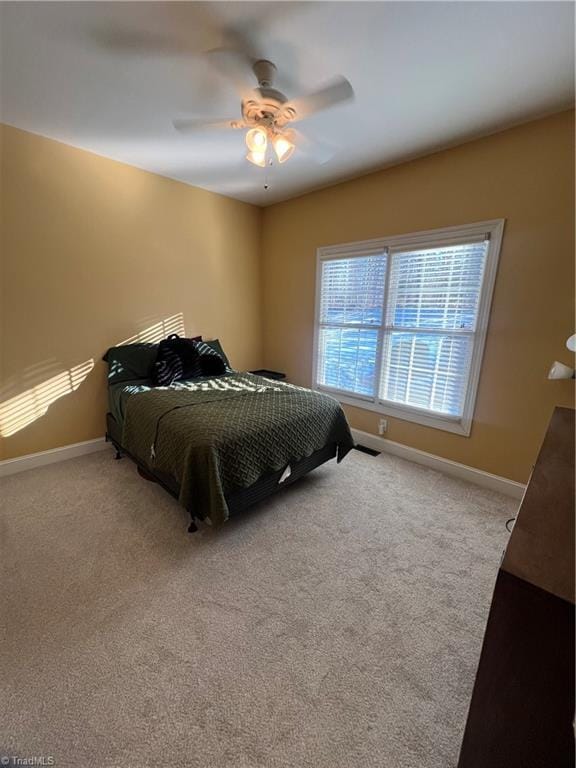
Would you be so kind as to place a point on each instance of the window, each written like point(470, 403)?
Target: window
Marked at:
point(401, 322)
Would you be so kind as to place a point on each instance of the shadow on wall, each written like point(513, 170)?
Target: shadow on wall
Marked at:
point(20, 411)
point(160, 330)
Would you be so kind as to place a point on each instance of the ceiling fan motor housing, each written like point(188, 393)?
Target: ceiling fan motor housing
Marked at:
point(265, 72)
point(267, 111)
point(266, 107)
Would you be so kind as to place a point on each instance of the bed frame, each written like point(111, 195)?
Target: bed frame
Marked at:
point(239, 499)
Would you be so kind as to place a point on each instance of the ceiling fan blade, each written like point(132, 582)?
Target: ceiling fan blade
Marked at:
point(235, 65)
point(319, 150)
point(193, 27)
point(141, 43)
point(195, 124)
point(334, 92)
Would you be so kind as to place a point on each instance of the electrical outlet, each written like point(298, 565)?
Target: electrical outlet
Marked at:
point(382, 426)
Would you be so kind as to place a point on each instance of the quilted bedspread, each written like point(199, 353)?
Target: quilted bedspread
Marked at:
point(216, 435)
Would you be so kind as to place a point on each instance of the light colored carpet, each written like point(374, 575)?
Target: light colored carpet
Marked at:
point(336, 626)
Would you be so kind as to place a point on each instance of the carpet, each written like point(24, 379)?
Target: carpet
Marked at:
point(337, 625)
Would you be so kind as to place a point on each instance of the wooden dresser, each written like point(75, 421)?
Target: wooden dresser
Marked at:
point(522, 709)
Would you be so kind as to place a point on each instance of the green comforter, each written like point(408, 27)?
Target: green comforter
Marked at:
point(216, 435)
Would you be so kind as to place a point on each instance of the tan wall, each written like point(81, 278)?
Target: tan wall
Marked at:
point(95, 251)
point(525, 175)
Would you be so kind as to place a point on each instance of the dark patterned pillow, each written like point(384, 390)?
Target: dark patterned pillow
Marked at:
point(213, 349)
point(177, 359)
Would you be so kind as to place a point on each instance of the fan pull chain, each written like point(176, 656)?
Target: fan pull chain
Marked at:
point(267, 176)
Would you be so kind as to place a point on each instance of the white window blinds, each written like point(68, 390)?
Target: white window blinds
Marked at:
point(402, 325)
point(350, 319)
point(430, 322)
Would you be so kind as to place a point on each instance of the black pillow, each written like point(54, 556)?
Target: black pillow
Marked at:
point(213, 349)
point(130, 362)
point(212, 365)
point(177, 359)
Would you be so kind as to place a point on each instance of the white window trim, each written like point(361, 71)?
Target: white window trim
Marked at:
point(494, 228)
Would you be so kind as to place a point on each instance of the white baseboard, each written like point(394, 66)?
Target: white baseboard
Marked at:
point(33, 460)
point(448, 467)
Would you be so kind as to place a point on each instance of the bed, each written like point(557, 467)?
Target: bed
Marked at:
point(218, 444)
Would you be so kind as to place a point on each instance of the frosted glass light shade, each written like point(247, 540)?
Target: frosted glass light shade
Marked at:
point(283, 147)
point(256, 140)
point(257, 158)
point(560, 371)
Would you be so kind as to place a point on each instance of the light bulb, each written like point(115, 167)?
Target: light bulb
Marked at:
point(257, 157)
point(256, 140)
point(283, 147)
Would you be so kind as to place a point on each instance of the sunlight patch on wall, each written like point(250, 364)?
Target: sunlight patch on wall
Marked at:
point(20, 411)
point(160, 330)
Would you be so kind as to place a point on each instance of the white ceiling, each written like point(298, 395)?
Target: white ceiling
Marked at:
point(426, 75)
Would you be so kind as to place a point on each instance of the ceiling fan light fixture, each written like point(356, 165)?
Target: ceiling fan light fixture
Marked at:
point(257, 140)
point(257, 157)
point(283, 147)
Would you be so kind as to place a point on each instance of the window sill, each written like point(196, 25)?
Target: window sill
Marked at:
point(424, 418)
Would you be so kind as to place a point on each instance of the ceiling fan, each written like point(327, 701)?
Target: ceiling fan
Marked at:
point(268, 114)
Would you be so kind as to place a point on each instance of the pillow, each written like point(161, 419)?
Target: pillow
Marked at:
point(177, 359)
point(130, 362)
point(212, 365)
point(213, 347)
